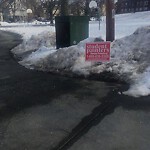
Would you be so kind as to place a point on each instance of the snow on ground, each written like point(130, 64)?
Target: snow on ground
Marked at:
point(35, 22)
point(27, 30)
point(45, 39)
point(129, 55)
point(125, 24)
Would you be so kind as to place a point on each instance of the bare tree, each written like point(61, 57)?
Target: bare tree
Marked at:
point(87, 9)
point(51, 7)
point(32, 4)
point(8, 6)
point(64, 7)
point(77, 7)
point(134, 5)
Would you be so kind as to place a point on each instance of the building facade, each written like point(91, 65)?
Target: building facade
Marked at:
point(18, 11)
point(12, 10)
point(128, 6)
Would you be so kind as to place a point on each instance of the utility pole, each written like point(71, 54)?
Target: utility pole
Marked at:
point(110, 20)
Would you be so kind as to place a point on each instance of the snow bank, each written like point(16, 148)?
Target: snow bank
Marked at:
point(35, 42)
point(69, 59)
point(129, 60)
point(133, 53)
point(141, 85)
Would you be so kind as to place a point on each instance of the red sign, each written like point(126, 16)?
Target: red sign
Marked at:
point(98, 51)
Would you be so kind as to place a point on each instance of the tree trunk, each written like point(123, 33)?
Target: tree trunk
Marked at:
point(134, 5)
point(64, 7)
point(51, 18)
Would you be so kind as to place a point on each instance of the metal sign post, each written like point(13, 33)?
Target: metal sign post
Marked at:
point(99, 18)
point(110, 20)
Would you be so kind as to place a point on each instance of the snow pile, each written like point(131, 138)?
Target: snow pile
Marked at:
point(129, 60)
point(141, 86)
point(69, 59)
point(133, 53)
point(37, 56)
point(4, 23)
point(45, 39)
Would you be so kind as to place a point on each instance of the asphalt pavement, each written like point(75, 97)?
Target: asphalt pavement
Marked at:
point(43, 111)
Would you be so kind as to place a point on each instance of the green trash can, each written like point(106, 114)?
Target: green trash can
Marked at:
point(70, 30)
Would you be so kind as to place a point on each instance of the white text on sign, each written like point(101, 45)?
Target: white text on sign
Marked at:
point(98, 51)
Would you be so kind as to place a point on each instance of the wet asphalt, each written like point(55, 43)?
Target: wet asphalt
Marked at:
point(43, 111)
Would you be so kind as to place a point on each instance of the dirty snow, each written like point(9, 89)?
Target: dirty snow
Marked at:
point(129, 55)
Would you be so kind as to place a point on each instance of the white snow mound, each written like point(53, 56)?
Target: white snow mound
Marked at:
point(45, 38)
point(129, 60)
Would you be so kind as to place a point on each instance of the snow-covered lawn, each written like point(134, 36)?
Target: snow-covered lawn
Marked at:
point(28, 31)
point(129, 55)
